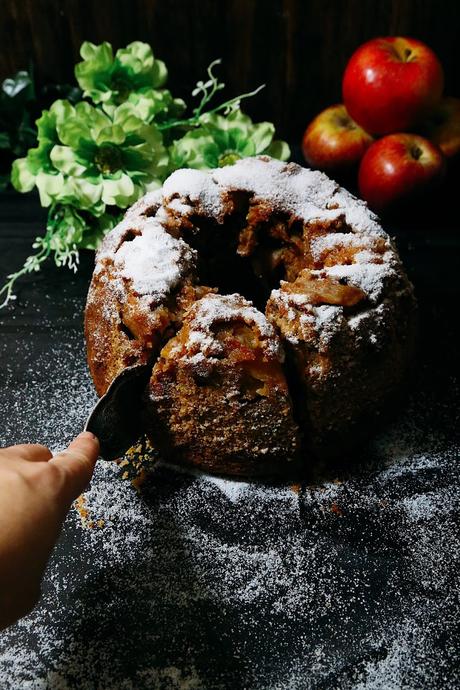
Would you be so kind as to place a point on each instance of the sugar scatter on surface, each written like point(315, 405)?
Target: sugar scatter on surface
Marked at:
point(204, 582)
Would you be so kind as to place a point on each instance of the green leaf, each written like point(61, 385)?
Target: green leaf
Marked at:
point(17, 132)
point(17, 90)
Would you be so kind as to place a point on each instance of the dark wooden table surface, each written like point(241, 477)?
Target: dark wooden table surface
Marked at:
point(206, 583)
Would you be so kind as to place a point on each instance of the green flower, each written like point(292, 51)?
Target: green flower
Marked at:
point(90, 159)
point(220, 141)
point(156, 105)
point(105, 78)
point(37, 166)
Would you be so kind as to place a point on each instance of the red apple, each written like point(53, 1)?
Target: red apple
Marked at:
point(332, 141)
point(391, 83)
point(398, 167)
point(443, 126)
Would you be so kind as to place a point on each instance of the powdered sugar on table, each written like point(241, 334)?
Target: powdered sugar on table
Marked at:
point(348, 582)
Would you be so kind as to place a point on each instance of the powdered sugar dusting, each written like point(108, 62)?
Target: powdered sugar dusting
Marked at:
point(225, 308)
point(328, 321)
point(195, 186)
point(353, 240)
point(153, 261)
point(370, 277)
point(146, 206)
point(307, 194)
point(214, 310)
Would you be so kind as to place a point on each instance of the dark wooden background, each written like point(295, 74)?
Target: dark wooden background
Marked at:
point(299, 48)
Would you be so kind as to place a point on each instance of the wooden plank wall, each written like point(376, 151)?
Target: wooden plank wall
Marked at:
point(297, 47)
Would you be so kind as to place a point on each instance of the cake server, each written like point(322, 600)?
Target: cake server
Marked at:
point(116, 419)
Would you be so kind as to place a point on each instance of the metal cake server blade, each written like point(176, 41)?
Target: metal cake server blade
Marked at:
point(116, 419)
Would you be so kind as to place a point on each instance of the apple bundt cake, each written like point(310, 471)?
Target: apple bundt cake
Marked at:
point(272, 306)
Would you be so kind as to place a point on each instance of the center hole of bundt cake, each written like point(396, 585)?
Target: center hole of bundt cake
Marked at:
point(256, 247)
point(220, 264)
point(251, 251)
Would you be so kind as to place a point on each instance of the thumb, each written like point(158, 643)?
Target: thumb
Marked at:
point(77, 462)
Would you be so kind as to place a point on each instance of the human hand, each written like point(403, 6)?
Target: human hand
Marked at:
point(36, 492)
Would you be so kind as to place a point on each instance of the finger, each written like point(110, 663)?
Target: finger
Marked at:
point(78, 462)
point(34, 452)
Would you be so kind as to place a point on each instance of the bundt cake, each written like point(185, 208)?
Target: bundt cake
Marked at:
point(304, 334)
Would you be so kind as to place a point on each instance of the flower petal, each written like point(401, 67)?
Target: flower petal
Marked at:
point(93, 74)
point(155, 104)
point(49, 187)
point(103, 52)
point(22, 178)
point(73, 131)
point(65, 160)
point(189, 151)
point(87, 193)
point(118, 192)
point(135, 53)
point(278, 149)
point(61, 110)
point(113, 134)
point(261, 135)
point(46, 124)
